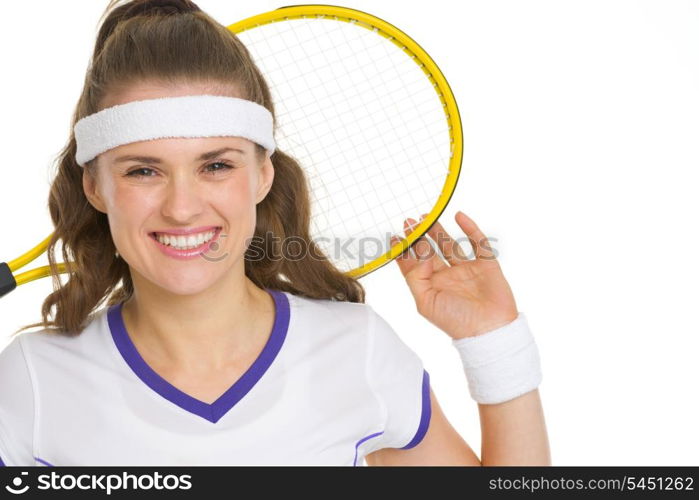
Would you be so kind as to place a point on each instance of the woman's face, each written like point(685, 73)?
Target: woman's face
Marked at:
point(205, 183)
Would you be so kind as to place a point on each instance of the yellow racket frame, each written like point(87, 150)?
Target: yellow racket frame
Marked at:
point(428, 66)
point(25, 259)
point(405, 43)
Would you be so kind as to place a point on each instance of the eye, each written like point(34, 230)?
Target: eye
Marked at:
point(226, 166)
point(135, 172)
point(139, 172)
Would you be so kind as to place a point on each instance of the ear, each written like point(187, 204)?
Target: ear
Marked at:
point(266, 178)
point(92, 193)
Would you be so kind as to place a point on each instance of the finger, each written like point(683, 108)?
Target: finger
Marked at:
point(423, 249)
point(450, 248)
point(406, 261)
point(418, 270)
point(479, 243)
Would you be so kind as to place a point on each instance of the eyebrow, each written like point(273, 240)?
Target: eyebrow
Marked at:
point(151, 159)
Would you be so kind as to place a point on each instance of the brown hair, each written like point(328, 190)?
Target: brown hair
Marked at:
point(172, 41)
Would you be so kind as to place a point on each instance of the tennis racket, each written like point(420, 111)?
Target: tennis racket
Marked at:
point(368, 115)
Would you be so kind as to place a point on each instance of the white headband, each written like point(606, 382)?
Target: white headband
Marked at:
point(184, 116)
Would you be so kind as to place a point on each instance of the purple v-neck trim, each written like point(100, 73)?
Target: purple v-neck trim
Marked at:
point(210, 411)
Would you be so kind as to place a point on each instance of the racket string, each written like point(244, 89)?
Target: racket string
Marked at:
point(365, 122)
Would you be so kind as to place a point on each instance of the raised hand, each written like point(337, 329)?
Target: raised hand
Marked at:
point(461, 296)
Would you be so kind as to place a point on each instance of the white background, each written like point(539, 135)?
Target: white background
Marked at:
point(581, 122)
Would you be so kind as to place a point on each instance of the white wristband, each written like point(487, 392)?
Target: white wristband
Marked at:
point(501, 364)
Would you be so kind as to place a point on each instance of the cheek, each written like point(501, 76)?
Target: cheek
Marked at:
point(130, 205)
point(236, 194)
point(236, 198)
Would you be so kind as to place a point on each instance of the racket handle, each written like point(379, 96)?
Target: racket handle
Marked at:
point(7, 280)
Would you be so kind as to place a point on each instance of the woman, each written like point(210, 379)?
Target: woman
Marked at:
point(212, 350)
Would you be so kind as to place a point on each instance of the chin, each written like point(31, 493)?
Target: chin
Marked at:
point(181, 284)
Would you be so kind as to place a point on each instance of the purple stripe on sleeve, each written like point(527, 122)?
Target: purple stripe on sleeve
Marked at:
point(356, 446)
point(2, 464)
point(426, 413)
point(424, 419)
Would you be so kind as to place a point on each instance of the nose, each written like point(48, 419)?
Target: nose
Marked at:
point(183, 199)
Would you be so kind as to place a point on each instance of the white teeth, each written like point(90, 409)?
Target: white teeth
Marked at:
point(184, 242)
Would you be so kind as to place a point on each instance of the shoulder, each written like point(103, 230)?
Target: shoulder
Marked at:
point(324, 304)
point(332, 314)
point(25, 352)
point(17, 404)
point(43, 355)
point(59, 340)
point(12, 358)
point(348, 317)
point(36, 363)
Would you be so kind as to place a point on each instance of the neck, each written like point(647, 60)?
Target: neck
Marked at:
point(202, 332)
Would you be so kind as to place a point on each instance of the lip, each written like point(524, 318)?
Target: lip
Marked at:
point(187, 254)
point(192, 230)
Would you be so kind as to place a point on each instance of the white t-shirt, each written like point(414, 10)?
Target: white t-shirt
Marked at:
point(333, 383)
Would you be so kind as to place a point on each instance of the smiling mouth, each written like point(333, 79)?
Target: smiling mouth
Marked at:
point(185, 242)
